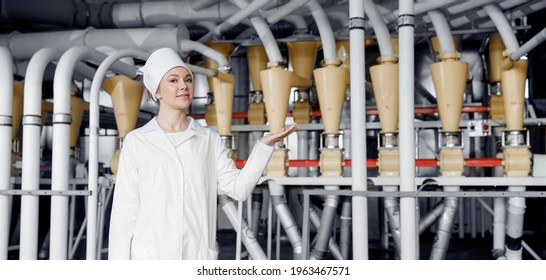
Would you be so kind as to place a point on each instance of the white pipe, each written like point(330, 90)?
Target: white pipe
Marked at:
point(202, 70)
point(188, 45)
point(392, 208)
point(503, 26)
point(234, 19)
point(333, 248)
point(419, 8)
point(297, 21)
point(473, 232)
point(325, 30)
point(380, 29)
point(285, 10)
point(358, 133)
point(430, 217)
point(406, 89)
point(6, 111)
point(499, 226)
point(202, 4)
point(345, 235)
point(285, 218)
point(61, 134)
point(514, 10)
point(23, 46)
point(30, 178)
point(445, 225)
point(247, 236)
point(94, 126)
point(529, 45)
point(441, 26)
point(167, 12)
point(514, 224)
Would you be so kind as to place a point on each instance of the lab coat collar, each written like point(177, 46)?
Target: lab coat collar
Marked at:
point(152, 125)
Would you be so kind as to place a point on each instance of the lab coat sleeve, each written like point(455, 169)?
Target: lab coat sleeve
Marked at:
point(239, 183)
point(126, 203)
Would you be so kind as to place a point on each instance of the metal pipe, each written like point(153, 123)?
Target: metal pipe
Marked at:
point(408, 219)
point(325, 30)
point(287, 221)
point(514, 224)
point(234, 19)
point(473, 221)
point(503, 26)
point(393, 214)
point(6, 111)
point(529, 45)
point(303, 150)
point(499, 227)
point(380, 29)
point(430, 217)
point(30, 173)
point(94, 125)
point(418, 8)
point(445, 225)
point(441, 26)
point(345, 235)
point(358, 133)
point(285, 10)
point(189, 45)
point(198, 5)
point(326, 222)
point(257, 199)
point(247, 236)
point(332, 246)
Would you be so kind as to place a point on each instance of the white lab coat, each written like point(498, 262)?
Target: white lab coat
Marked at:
point(147, 213)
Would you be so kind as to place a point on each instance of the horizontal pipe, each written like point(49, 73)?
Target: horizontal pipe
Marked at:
point(372, 163)
point(420, 110)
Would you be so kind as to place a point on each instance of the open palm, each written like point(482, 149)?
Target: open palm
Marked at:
point(273, 138)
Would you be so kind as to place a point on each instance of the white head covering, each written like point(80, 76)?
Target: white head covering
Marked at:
point(157, 65)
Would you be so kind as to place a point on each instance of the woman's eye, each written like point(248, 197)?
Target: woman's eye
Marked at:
point(173, 81)
point(189, 81)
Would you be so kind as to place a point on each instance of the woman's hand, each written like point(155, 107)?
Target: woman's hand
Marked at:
point(273, 138)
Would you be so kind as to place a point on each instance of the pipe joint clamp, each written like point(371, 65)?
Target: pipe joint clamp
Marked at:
point(6, 120)
point(356, 23)
point(60, 118)
point(495, 89)
point(256, 96)
point(515, 138)
point(451, 139)
point(330, 140)
point(406, 20)
point(387, 140)
point(32, 120)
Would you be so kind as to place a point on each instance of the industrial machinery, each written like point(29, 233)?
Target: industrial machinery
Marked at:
point(421, 123)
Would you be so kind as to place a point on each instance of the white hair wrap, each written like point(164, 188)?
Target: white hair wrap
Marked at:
point(157, 65)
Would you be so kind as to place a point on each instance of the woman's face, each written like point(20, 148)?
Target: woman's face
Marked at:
point(176, 89)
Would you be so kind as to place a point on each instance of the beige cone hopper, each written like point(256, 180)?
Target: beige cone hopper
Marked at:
point(77, 107)
point(225, 49)
point(449, 78)
point(385, 87)
point(126, 98)
point(257, 61)
point(302, 57)
point(513, 89)
point(223, 99)
point(17, 106)
point(331, 83)
point(276, 89)
point(496, 47)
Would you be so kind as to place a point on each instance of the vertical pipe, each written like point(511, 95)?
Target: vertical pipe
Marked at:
point(30, 178)
point(473, 218)
point(358, 133)
point(303, 150)
point(6, 88)
point(499, 223)
point(408, 205)
point(345, 235)
point(514, 224)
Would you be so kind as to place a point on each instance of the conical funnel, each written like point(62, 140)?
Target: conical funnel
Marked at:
point(449, 78)
point(223, 99)
point(126, 97)
point(276, 89)
point(223, 48)
point(302, 57)
point(77, 107)
point(331, 83)
point(513, 91)
point(385, 88)
point(395, 45)
point(257, 61)
point(496, 47)
point(17, 106)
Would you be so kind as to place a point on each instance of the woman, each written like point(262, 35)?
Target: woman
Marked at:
point(170, 172)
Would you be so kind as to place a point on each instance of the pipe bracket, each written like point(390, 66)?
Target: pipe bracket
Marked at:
point(357, 23)
point(32, 120)
point(60, 118)
point(406, 20)
point(6, 120)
